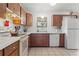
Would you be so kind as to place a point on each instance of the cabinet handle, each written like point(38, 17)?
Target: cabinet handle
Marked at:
point(14, 8)
point(14, 47)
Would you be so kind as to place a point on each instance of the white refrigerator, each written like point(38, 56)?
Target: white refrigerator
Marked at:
point(72, 33)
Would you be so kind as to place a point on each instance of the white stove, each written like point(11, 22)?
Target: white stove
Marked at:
point(24, 46)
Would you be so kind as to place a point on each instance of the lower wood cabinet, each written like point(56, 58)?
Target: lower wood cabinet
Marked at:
point(29, 41)
point(11, 50)
point(62, 40)
point(15, 53)
point(1, 52)
point(39, 40)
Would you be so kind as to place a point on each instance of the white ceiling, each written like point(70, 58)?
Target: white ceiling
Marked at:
point(46, 7)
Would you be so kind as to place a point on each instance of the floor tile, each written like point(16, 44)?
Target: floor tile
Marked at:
point(48, 51)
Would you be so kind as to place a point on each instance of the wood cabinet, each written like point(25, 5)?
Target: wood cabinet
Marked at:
point(29, 19)
point(61, 40)
point(29, 41)
point(12, 49)
point(57, 20)
point(15, 53)
point(23, 16)
point(39, 40)
point(1, 52)
point(15, 7)
point(3, 10)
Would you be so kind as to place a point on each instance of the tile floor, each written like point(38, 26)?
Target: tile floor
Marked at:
point(48, 51)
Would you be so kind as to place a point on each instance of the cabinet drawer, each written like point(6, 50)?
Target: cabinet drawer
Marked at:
point(8, 50)
point(1, 52)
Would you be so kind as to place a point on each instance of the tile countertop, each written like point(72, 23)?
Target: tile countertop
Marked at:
point(6, 41)
point(48, 32)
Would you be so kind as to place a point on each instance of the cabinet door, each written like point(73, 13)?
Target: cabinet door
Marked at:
point(11, 48)
point(23, 17)
point(1, 52)
point(11, 6)
point(45, 39)
point(29, 19)
point(3, 10)
point(36, 40)
point(57, 20)
point(15, 53)
point(61, 44)
point(39, 40)
point(29, 41)
point(15, 7)
point(54, 39)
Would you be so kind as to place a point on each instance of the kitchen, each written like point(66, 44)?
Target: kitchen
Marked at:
point(39, 29)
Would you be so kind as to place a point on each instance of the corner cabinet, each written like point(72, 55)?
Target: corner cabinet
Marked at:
point(57, 20)
point(15, 7)
point(29, 18)
point(3, 10)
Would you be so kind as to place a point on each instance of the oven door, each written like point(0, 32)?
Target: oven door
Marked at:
point(24, 46)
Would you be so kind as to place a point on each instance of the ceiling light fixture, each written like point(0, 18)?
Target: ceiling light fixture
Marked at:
point(52, 4)
point(42, 16)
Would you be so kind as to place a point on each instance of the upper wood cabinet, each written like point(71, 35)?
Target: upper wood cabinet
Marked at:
point(15, 7)
point(23, 16)
point(29, 19)
point(3, 10)
point(57, 20)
